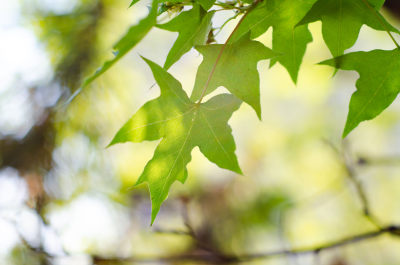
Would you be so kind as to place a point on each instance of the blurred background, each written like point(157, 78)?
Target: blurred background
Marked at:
point(66, 199)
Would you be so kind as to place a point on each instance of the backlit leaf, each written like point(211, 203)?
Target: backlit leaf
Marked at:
point(193, 27)
point(377, 87)
point(182, 125)
point(287, 39)
point(236, 70)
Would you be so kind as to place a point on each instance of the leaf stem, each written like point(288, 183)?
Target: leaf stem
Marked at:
point(221, 51)
point(376, 13)
point(226, 22)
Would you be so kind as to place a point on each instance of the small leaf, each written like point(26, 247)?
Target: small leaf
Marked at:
point(342, 21)
point(377, 87)
point(236, 70)
point(182, 125)
point(282, 16)
point(134, 35)
point(193, 27)
point(133, 2)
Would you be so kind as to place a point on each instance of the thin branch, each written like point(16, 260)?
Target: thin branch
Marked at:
point(191, 231)
point(227, 259)
point(378, 161)
point(349, 166)
point(392, 229)
point(352, 175)
point(172, 232)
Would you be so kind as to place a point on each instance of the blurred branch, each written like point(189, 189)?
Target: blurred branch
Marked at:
point(352, 175)
point(378, 161)
point(228, 259)
point(172, 232)
point(203, 239)
point(350, 167)
point(31, 153)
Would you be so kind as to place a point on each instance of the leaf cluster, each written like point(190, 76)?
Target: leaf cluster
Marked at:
point(183, 122)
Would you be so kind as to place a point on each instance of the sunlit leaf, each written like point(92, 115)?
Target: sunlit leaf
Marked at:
point(377, 87)
point(287, 39)
point(182, 125)
point(193, 27)
point(236, 70)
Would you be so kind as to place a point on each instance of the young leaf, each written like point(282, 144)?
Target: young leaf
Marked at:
point(193, 27)
point(236, 70)
point(282, 16)
point(182, 125)
point(342, 21)
point(377, 87)
point(134, 35)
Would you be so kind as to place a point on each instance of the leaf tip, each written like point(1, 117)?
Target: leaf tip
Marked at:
point(149, 62)
point(144, 58)
point(259, 114)
point(294, 75)
point(334, 62)
point(113, 141)
point(348, 128)
point(257, 108)
point(154, 211)
point(118, 138)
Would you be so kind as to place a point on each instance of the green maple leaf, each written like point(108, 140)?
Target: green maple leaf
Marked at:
point(236, 70)
point(377, 87)
point(182, 125)
point(287, 39)
point(193, 27)
point(342, 21)
point(134, 35)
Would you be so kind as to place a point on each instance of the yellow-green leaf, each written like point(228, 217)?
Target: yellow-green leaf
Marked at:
point(287, 39)
point(236, 70)
point(182, 125)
